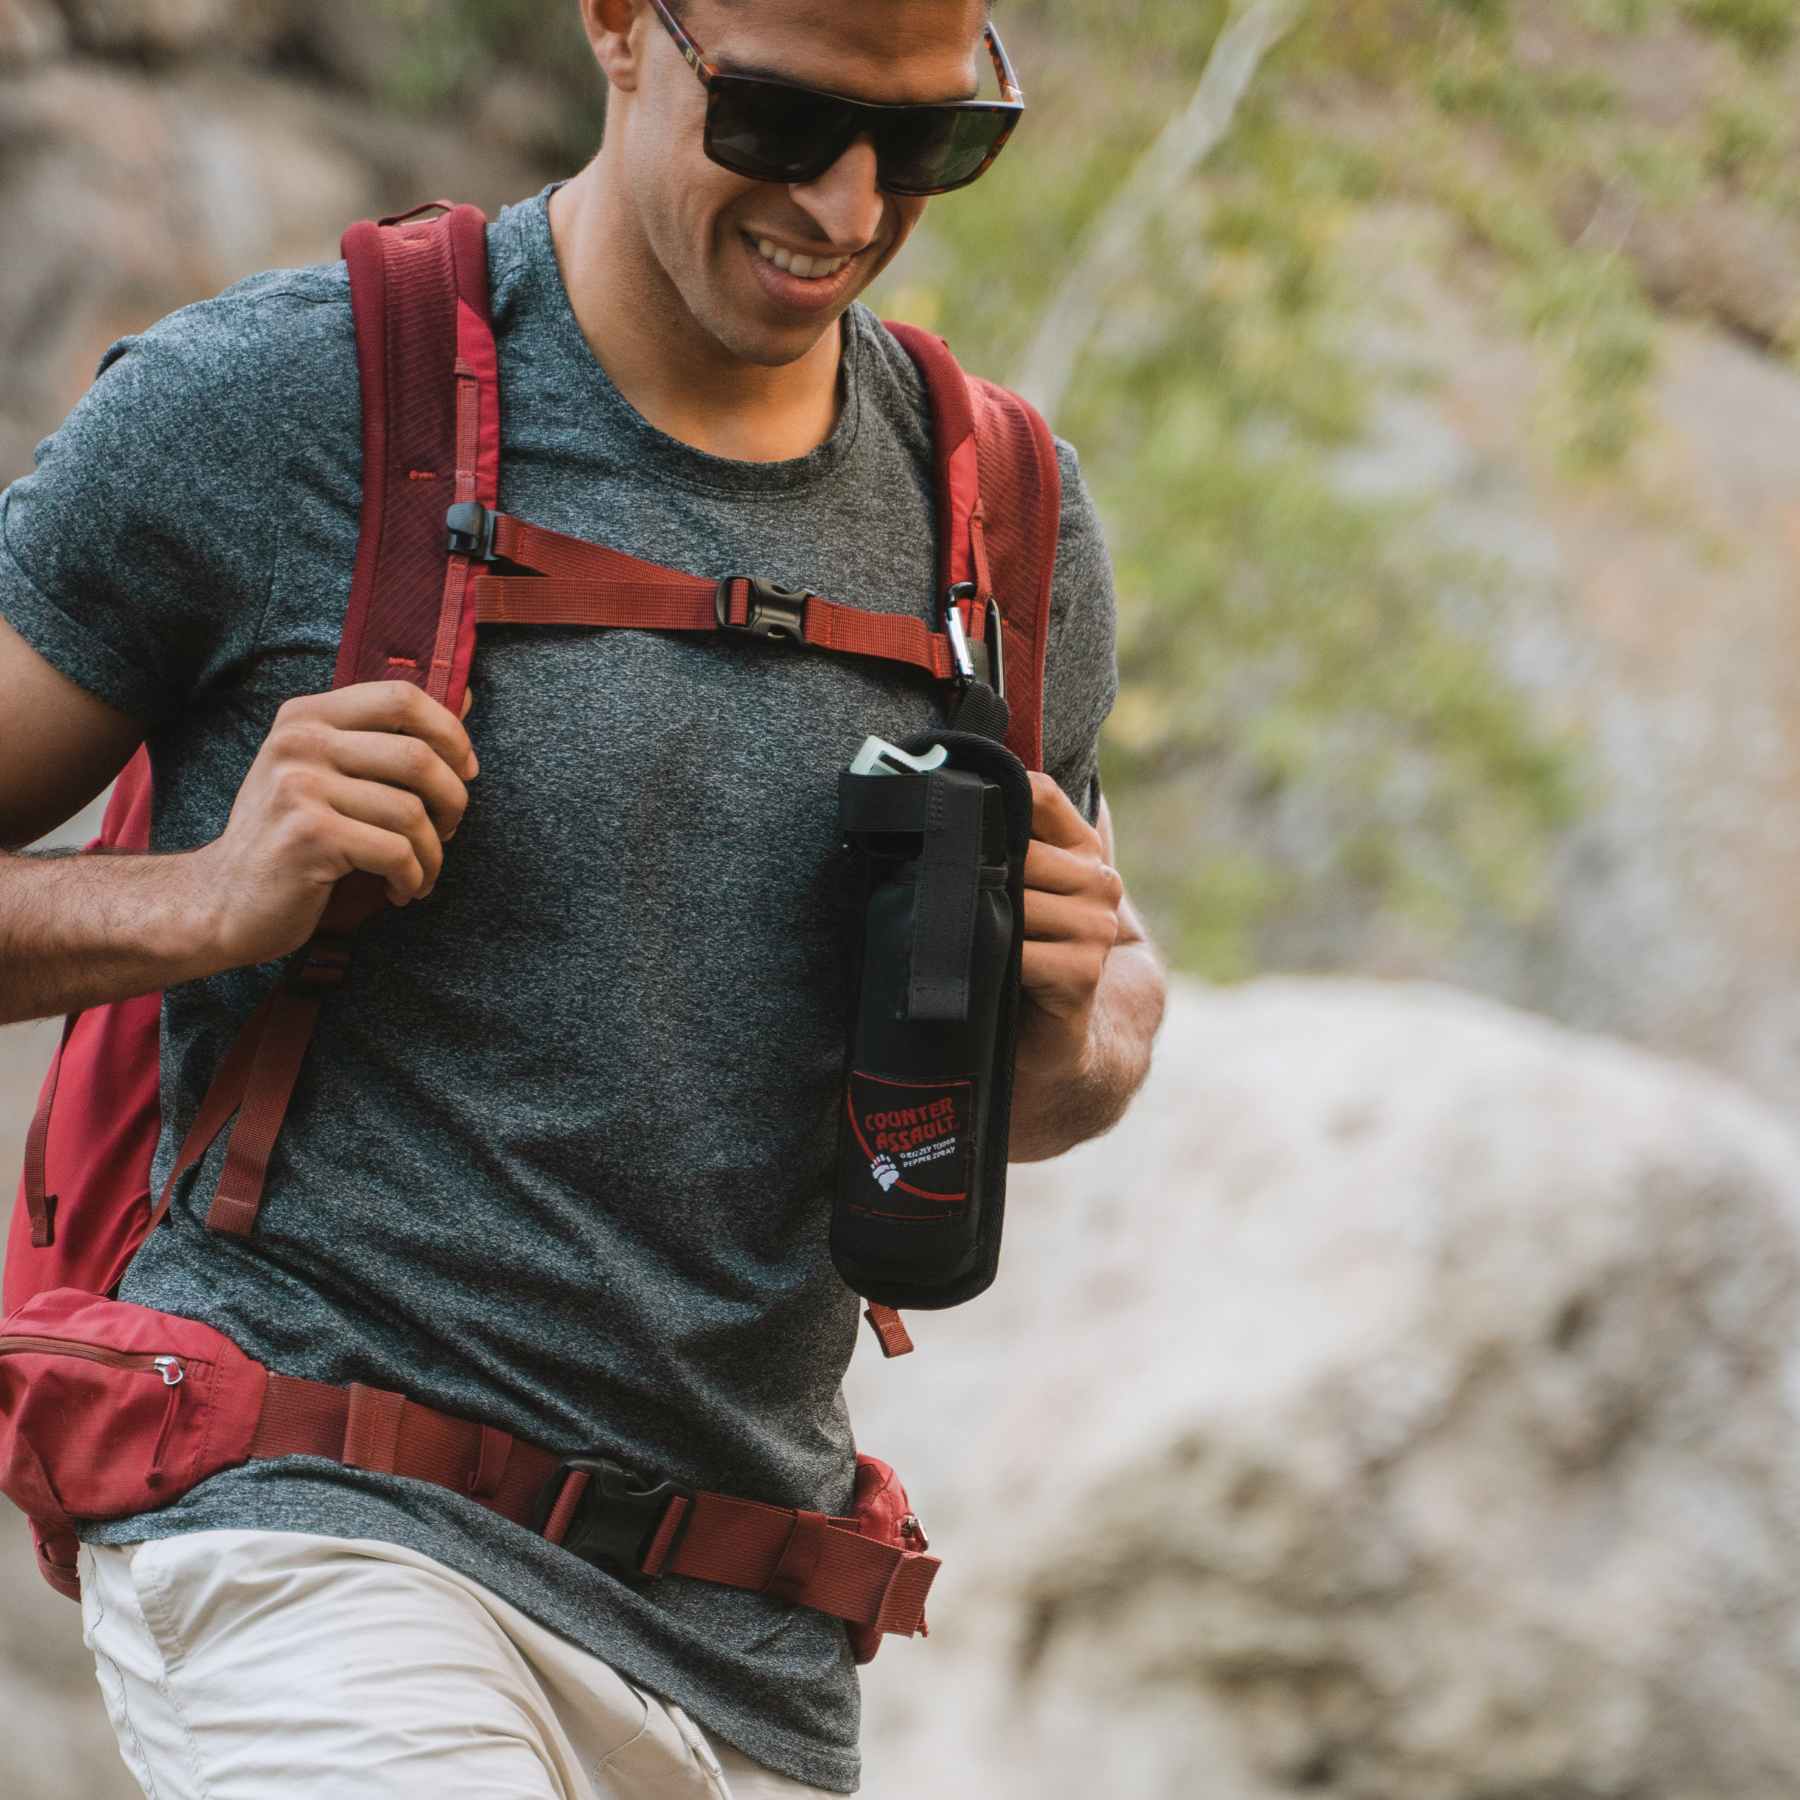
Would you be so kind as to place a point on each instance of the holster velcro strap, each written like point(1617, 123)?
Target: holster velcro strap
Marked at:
point(949, 880)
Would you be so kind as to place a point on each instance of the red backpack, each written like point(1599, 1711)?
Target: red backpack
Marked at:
point(109, 1409)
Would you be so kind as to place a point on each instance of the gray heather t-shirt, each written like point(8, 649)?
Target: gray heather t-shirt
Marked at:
point(560, 1157)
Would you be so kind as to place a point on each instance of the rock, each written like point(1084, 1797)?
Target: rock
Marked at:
point(139, 195)
point(29, 31)
point(1400, 1406)
point(155, 25)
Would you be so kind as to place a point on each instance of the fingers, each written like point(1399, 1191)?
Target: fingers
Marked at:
point(1054, 818)
point(413, 861)
point(1062, 978)
point(389, 706)
point(1057, 871)
point(1058, 918)
point(387, 854)
point(402, 763)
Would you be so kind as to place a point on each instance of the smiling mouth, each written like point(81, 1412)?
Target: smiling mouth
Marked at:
point(802, 268)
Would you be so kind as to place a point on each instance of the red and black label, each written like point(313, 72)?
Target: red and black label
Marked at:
point(913, 1141)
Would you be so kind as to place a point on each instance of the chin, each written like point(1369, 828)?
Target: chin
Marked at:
point(770, 347)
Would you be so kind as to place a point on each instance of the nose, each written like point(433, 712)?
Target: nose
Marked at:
point(844, 202)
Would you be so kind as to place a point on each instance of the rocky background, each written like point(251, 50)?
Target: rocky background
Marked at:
point(1400, 1403)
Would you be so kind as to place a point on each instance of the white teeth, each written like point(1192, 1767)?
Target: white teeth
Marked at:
point(808, 268)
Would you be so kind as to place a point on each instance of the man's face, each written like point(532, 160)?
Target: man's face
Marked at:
point(718, 238)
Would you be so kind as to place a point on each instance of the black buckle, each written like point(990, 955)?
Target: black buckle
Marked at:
point(471, 527)
point(614, 1520)
point(775, 612)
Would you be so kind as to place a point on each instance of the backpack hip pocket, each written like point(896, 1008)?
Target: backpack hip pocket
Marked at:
point(108, 1409)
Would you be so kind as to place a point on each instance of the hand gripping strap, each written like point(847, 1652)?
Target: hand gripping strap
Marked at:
point(429, 371)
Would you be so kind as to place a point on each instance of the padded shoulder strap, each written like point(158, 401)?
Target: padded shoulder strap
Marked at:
point(431, 440)
point(999, 492)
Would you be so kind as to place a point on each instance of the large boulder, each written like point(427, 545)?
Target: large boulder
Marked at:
point(136, 195)
point(1400, 1406)
point(29, 30)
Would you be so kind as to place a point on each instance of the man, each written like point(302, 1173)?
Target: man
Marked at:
point(563, 1165)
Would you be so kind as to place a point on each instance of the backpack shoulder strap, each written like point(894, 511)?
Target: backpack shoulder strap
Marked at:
point(429, 373)
point(999, 492)
point(431, 440)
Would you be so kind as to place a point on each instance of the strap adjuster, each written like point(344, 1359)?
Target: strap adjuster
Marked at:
point(775, 612)
point(471, 527)
point(616, 1520)
point(319, 965)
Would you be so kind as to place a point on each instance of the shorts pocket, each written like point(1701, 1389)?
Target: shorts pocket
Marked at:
point(659, 1763)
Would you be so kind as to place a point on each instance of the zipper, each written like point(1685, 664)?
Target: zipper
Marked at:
point(173, 1375)
point(168, 1368)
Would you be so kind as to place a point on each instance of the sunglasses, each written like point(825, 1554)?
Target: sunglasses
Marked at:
point(780, 131)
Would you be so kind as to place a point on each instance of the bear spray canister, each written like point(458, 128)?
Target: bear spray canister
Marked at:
point(935, 838)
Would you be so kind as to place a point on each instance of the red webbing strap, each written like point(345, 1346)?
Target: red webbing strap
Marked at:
point(267, 1091)
point(588, 584)
point(805, 1558)
point(222, 1099)
point(369, 1428)
point(889, 1328)
point(39, 1204)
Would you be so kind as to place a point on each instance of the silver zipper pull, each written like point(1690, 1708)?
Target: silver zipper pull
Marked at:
point(170, 1370)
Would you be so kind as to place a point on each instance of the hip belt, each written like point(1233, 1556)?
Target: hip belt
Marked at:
point(109, 1410)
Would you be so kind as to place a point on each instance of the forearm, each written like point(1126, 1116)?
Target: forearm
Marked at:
point(78, 931)
point(1065, 1093)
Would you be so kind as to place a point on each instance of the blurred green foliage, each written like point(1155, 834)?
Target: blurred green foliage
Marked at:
point(1317, 726)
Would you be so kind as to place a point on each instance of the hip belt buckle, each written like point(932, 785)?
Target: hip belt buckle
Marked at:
point(618, 1517)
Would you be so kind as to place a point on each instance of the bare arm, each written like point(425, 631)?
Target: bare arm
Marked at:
point(368, 777)
point(1094, 985)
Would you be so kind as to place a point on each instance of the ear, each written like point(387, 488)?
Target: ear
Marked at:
point(615, 34)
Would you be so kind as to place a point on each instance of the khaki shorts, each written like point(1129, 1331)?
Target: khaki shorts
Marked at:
point(263, 1665)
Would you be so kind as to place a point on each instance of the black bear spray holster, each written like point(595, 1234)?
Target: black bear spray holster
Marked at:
point(936, 929)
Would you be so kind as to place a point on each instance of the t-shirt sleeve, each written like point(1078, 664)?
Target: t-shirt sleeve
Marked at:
point(1081, 672)
point(135, 558)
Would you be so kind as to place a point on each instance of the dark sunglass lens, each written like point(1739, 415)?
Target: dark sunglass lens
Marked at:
point(931, 147)
point(774, 133)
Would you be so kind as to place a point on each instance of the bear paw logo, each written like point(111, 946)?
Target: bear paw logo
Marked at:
point(882, 1168)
